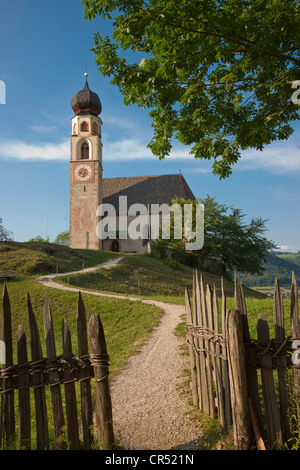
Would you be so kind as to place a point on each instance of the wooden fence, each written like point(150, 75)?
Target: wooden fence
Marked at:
point(27, 382)
point(252, 385)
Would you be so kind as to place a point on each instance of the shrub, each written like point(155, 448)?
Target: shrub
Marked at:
point(173, 264)
point(29, 268)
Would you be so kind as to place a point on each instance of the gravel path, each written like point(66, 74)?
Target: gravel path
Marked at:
point(148, 411)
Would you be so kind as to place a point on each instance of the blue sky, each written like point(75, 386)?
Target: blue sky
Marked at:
point(45, 47)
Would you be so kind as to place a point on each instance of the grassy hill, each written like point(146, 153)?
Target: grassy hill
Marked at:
point(146, 276)
point(292, 257)
point(127, 324)
point(42, 258)
point(32, 258)
point(277, 265)
point(136, 274)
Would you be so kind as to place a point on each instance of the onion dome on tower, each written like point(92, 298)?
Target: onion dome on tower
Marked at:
point(86, 101)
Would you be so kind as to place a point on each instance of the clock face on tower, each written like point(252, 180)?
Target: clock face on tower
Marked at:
point(83, 172)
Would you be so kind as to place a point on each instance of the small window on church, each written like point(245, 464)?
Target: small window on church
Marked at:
point(74, 129)
point(95, 128)
point(84, 155)
point(84, 126)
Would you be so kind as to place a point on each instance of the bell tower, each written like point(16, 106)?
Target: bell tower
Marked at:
point(85, 169)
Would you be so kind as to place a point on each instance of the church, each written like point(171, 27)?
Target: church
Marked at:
point(89, 190)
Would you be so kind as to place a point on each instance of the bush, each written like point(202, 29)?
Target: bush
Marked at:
point(173, 264)
point(29, 268)
point(175, 251)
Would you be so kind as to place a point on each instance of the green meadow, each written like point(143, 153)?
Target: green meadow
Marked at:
point(127, 323)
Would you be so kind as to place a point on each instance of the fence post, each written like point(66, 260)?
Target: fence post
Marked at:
point(54, 380)
point(24, 391)
point(191, 350)
point(252, 379)
point(238, 381)
point(70, 393)
point(203, 378)
point(295, 332)
point(268, 386)
point(85, 382)
point(219, 377)
point(225, 361)
point(282, 371)
point(196, 313)
point(99, 361)
point(38, 381)
point(7, 402)
point(211, 399)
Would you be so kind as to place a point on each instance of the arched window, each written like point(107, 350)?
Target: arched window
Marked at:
point(84, 151)
point(84, 126)
point(95, 128)
point(74, 128)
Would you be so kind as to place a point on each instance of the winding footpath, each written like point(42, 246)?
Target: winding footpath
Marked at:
point(148, 411)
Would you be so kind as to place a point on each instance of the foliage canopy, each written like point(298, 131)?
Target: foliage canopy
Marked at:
point(63, 238)
point(228, 239)
point(216, 75)
point(5, 235)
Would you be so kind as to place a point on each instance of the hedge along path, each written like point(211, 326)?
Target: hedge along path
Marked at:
point(148, 411)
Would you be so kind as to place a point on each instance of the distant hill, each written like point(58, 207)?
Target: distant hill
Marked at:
point(278, 265)
point(293, 257)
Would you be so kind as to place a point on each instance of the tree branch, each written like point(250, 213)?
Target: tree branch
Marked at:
point(244, 42)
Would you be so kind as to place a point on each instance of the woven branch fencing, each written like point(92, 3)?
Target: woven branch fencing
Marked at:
point(26, 386)
point(249, 384)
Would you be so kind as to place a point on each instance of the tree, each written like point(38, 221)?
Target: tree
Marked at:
point(63, 238)
point(216, 75)
point(227, 240)
point(5, 235)
point(238, 246)
point(39, 239)
point(185, 225)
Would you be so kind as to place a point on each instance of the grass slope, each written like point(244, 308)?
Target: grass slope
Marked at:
point(127, 324)
point(118, 316)
point(41, 258)
point(145, 276)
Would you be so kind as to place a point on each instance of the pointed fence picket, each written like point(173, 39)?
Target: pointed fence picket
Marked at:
point(250, 384)
point(59, 374)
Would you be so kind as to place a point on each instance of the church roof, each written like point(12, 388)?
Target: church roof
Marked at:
point(86, 101)
point(145, 190)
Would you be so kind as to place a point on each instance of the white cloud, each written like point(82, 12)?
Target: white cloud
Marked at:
point(202, 168)
point(285, 248)
point(134, 149)
point(112, 122)
point(24, 151)
point(121, 150)
point(43, 129)
point(276, 158)
point(125, 149)
point(283, 195)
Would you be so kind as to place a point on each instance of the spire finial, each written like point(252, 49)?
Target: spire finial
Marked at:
point(86, 80)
